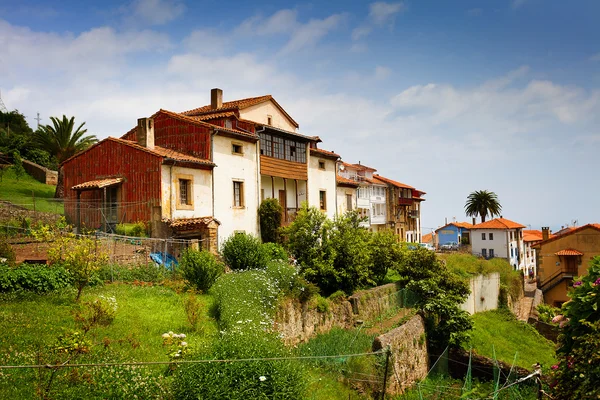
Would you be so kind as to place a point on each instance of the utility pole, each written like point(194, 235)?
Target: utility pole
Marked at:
point(38, 119)
point(2, 106)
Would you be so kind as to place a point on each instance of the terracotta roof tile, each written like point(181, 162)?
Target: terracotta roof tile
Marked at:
point(498, 223)
point(193, 120)
point(427, 238)
point(190, 222)
point(464, 225)
point(213, 116)
point(97, 184)
point(238, 105)
point(570, 232)
point(568, 252)
point(533, 235)
point(324, 152)
point(345, 181)
point(166, 153)
point(393, 182)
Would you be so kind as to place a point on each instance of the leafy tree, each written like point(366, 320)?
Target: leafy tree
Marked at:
point(440, 292)
point(62, 140)
point(81, 257)
point(386, 253)
point(18, 165)
point(269, 214)
point(308, 239)
point(482, 203)
point(578, 368)
point(352, 261)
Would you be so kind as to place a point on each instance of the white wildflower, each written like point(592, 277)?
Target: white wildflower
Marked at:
point(262, 378)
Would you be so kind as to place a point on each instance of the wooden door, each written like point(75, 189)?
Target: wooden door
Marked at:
point(283, 203)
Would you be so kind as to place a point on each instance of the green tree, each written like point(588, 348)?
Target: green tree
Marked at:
point(269, 214)
point(386, 253)
point(440, 293)
point(578, 368)
point(482, 203)
point(18, 165)
point(62, 140)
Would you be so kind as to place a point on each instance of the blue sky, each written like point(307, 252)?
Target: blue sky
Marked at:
point(449, 97)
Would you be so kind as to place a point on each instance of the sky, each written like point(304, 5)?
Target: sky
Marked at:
point(447, 96)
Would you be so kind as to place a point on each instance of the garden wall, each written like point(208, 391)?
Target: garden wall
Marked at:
point(409, 357)
point(485, 291)
point(41, 174)
point(298, 322)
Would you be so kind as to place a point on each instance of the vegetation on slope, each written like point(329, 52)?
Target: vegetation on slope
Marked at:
point(22, 192)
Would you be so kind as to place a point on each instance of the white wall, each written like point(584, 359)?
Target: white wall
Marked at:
point(499, 243)
point(233, 167)
point(201, 191)
point(342, 203)
point(319, 180)
point(485, 291)
point(260, 112)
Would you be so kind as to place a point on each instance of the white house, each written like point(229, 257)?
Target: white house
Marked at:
point(498, 237)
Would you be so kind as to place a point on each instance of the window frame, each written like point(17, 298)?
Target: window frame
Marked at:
point(238, 145)
point(322, 165)
point(491, 236)
point(189, 179)
point(482, 235)
point(323, 200)
point(238, 199)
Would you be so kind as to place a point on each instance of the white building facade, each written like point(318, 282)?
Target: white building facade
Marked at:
point(500, 238)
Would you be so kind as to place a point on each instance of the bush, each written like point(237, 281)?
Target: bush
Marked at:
point(200, 268)
point(269, 213)
point(149, 272)
point(283, 275)
point(6, 250)
point(274, 251)
point(243, 251)
point(33, 278)
point(99, 312)
point(139, 229)
point(546, 312)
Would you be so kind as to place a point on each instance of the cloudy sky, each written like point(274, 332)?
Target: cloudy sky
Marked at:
point(448, 96)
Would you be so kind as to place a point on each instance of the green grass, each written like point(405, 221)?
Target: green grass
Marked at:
point(22, 192)
point(500, 329)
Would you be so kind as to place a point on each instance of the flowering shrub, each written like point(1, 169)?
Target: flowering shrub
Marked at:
point(576, 374)
point(176, 345)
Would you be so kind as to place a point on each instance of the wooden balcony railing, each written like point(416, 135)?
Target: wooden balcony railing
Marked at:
point(404, 201)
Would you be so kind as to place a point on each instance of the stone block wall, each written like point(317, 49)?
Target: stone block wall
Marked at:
point(409, 360)
point(41, 174)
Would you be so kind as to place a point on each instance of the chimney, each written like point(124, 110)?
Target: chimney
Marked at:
point(545, 232)
point(216, 98)
point(145, 132)
point(474, 221)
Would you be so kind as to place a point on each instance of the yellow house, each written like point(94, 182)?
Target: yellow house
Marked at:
point(563, 257)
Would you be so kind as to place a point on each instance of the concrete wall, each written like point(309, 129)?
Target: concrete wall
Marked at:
point(235, 167)
point(41, 174)
point(485, 291)
point(319, 180)
point(341, 193)
point(201, 192)
point(409, 357)
point(260, 112)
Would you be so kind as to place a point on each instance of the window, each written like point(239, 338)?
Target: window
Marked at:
point(491, 236)
point(237, 149)
point(269, 120)
point(483, 236)
point(238, 194)
point(323, 200)
point(185, 195)
point(278, 150)
point(484, 253)
point(349, 202)
point(266, 144)
point(511, 235)
point(321, 164)
point(491, 253)
point(228, 124)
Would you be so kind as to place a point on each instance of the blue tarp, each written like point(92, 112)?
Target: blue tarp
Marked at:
point(164, 259)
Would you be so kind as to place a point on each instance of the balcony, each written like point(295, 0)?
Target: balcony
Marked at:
point(413, 214)
point(289, 216)
point(405, 201)
point(378, 220)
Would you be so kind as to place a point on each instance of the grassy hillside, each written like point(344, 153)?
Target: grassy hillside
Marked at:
point(22, 193)
point(500, 329)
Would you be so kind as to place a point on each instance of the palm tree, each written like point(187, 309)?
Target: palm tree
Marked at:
point(482, 202)
point(62, 142)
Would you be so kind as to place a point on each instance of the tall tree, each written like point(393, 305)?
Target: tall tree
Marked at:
point(62, 140)
point(482, 203)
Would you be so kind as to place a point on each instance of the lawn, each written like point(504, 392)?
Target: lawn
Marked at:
point(27, 191)
point(500, 329)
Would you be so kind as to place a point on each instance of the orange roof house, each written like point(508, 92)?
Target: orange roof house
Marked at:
point(499, 237)
point(563, 257)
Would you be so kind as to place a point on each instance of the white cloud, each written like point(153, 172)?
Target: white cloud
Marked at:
point(207, 41)
point(360, 32)
point(156, 12)
point(382, 13)
point(310, 33)
point(517, 3)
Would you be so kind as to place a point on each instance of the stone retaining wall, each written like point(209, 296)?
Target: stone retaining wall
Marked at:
point(409, 357)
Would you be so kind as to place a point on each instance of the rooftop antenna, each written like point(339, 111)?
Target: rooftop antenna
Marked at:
point(2, 106)
point(38, 119)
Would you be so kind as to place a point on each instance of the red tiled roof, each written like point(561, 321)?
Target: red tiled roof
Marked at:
point(572, 231)
point(346, 182)
point(364, 167)
point(166, 153)
point(464, 225)
point(238, 105)
point(568, 252)
point(392, 182)
point(324, 152)
point(213, 116)
point(193, 120)
point(427, 238)
point(97, 184)
point(498, 223)
point(190, 222)
point(533, 235)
